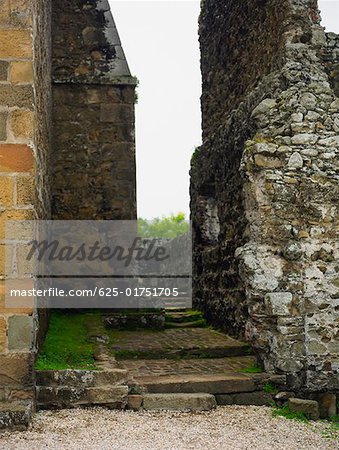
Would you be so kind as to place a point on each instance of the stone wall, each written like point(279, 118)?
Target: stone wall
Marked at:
point(93, 162)
point(265, 186)
point(23, 149)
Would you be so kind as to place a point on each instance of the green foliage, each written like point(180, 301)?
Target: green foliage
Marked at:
point(284, 411)
point(270, 388)
point(252, 369)
point(163, 227)
point(66, 345)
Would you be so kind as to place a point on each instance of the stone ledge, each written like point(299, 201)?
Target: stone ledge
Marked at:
point(179, 402)
point(114, 397)
point(84, 378)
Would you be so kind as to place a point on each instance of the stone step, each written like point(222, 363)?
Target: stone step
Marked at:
point(189, 384)
point(175, 344)
point(179, 402)
point(15, 415)
point(69, 397)
point(183, 316)
point(84, 378)
point(194, 324)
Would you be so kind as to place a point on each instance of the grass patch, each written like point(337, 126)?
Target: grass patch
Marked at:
point(252, 369)
point(66, 345)
point(270, 388)
point(285, 411)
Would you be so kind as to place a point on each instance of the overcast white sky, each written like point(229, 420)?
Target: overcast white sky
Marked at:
point(160, 39)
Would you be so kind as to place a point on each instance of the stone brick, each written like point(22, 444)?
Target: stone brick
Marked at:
point(21, 72)
point(116, 113)
point(6, 258)
point(309, 407)
point(15, 158)
point(15, 43)
point(4, 11)
point(4, 306)
point(13, 214)
point(25, 190)
point(20, 333)
point(3, 126)
point(6, 191)
point(134, 402)
point(19, 96)
point(267, 162)
point(16, 369)
point(20, 12)
point(21, 123)
point(3, 335)
point(179, 402)
point(3, 70)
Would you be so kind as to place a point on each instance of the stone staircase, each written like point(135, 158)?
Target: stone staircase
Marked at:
point(189, 366)
point(185, 365)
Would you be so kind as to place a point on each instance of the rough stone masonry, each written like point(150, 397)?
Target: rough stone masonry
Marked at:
point(265, 185)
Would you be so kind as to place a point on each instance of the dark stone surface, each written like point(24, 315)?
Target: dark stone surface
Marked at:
point(93, 159)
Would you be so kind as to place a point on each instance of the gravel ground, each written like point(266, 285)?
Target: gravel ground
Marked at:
point(231, 427)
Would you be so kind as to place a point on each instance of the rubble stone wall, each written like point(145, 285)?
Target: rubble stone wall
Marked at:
point(93, 160)
point(265, 186)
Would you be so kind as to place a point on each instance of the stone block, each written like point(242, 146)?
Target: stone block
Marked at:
point(309, 407)
point(327, 404)
point(20, 96)
point(4, 308)
point(213, 384)
point(13, 214)
point(20, 332)
point(3, 126)
point(4, 70)
point(179, 402)
point(278, 303)
point(15, 158)
point(6, 191)
point(116, 113)
point(21, 124)
point(4, 12)
point(3, 335)
point(267, 162)
point(66, 397)
point(6, 259)
point(25, 190)
point(134, 402)
point(21, 72)
point(15, 43)
point(21, 12)
point(84, 378)
point(16, 370)
point(15, 415)
point(257, 398)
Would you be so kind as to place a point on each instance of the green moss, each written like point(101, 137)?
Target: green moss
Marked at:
point(270, 388)
point(284, 411)
point(252, 369)
point(66, 345)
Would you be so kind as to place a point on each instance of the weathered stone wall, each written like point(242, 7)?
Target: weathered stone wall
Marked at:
point(93, 162)
point(265, 187)
point(23, 148)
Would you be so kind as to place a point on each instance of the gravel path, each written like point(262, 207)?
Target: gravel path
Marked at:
point(231, 427)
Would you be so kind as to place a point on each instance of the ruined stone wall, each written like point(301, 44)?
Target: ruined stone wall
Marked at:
point(23, 184)
point(93, 163)
point(265, 189)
